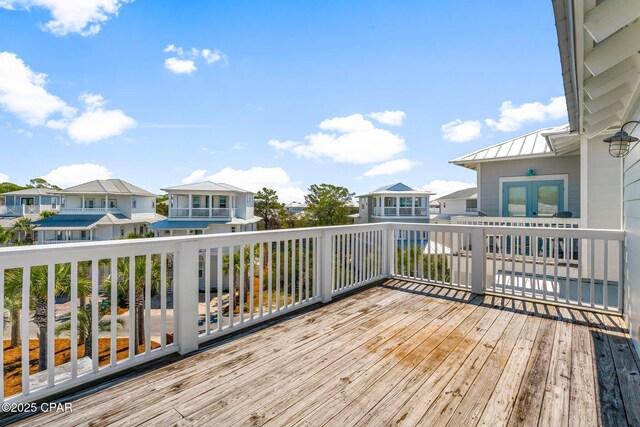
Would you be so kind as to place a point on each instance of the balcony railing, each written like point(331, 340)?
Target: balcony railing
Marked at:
point(471, 210)
point(152, 297)
point(494, 221)
point(400, 211)
point(89, 210)
point(202, 213)
point(20, 210)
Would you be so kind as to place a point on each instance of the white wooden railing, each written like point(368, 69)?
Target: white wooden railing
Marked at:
point(20, 210)
point(188, 290)
point(201, 212)
point(74, 211)
point(494, 221)
point(400, 211)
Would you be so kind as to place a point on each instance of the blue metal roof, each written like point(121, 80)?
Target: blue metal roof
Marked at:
point(179, 224)
point(63, 221)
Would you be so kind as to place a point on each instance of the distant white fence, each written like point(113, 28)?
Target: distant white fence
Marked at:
point(112, 305)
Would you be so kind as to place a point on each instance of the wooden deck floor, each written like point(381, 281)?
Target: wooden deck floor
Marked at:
point(399, 353)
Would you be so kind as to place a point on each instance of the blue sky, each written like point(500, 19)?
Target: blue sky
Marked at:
point(277, 93)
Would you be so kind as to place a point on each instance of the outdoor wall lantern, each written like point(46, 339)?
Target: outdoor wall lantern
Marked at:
point(620, 143)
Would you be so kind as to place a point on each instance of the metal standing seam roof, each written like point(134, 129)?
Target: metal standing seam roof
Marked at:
point(168, 224)
point(467, 193)
point(207, 186)
point(532, 144)
point(108, 186)
point(399, 189)
point(69, 222)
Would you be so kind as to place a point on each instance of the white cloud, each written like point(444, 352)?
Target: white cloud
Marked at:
point(4, 177)
point(444, 187)
point(93, 126)
point(239, 145)
point(391, 118)
point(459, 131)
point(180, 66)
point(513, 117)
point(353, 140)
point(84, 17)
point(184, 61)
point(69, 175)
point(391, 167)
point(22, 93)
point(253, 179)
point(213, 56)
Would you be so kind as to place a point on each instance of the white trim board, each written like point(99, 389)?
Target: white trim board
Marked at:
point(564, 177)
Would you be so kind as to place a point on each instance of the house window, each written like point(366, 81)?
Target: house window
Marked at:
point(121, 231)
point(223, 201)
point(63, 202)
point(249, 201)
point(198, 232)
point(59, 235)
point(83, 235)
point(233, 229)
point(417, 202)
point(390, 202)
point(200, 267)
point(405, 202)
point(153, 204)
point(195, 202)
point(89, 203)
point(113, 204)
point(134, 203)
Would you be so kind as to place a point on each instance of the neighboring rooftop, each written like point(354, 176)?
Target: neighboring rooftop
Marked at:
point(398, 188)
point(87, 221)
point(218, 187)
point(532, 144)
point(108, 186)
point(467, 193)
point(33, 191)
point(295, 205)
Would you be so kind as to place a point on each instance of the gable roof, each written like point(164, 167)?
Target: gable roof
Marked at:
point(399, 189)
point(108, 186)
point(32, 191)
point(532, 144)
point(467, 193)
point(207, 186)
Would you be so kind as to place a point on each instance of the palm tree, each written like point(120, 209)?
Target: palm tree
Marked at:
point(85, 324)
point(123, 289)
point(6, 234)
point(24, 225)
point(38, 293)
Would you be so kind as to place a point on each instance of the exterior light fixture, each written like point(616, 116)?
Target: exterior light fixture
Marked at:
point(620, 142)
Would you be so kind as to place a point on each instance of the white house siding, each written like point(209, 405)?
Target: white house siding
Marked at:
point(603, 185)
point(453, 207)
point(632, 228)
point(489, 179)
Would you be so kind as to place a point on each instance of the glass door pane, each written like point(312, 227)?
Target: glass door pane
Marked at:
point(548, 197)
point(515, 200)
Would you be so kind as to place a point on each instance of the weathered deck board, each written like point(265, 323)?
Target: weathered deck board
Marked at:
point(401, 353)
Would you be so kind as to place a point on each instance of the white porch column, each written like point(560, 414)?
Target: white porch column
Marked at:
point(106, 202)
point(190, 204)
point(413, 206)
point(397, 206)
point(210, 198)
point(83, 202)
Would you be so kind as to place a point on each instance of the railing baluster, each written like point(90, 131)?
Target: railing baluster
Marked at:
point(568, 271)
point(163, 300)
point(306, 270)
point(270, 275)
point(95, 330)
point(592, 268)
point(132, 307)
point(73, 334)
point(261, 279)
point(26, 294)
point(241, 282)
point(207, 291)
point(252, 278)
point(289, 254)
point(147, 304)
point(232, 283)
point(605, 280)
point(579, 263)
point(219, 286)
point(51, 342)
point(113, 330)
point(299, 281)
point(278, 279)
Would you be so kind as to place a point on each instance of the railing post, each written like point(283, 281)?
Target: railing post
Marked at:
point(390, 251)
point(186, 297)
point(478, 260)
point(326, 284)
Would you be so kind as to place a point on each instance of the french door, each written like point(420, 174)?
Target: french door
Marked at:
point(532, 198)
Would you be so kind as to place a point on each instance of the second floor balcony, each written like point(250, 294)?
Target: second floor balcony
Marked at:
point(401, 211)
point(22, 210)
point(201, 213)
point(427, 324)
